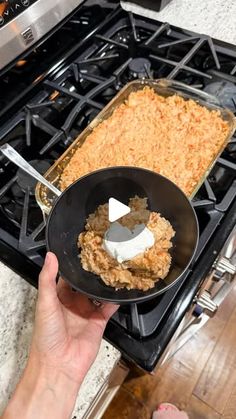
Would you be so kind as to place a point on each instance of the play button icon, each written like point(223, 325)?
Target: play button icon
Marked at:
point(119, 193)
point(116, 210)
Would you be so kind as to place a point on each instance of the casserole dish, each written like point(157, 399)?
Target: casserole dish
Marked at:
point(163, 88)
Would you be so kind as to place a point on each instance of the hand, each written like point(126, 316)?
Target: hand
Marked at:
point(68, 326)
point(67, 336)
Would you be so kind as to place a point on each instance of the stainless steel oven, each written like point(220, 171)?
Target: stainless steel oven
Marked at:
point(24, 22)
point(49, 97)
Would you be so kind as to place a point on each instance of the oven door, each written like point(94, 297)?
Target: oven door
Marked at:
point(214, 290)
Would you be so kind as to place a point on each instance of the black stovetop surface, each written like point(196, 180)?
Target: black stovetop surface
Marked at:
point(50, 96)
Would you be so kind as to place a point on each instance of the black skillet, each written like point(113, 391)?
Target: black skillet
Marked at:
point(68, 218)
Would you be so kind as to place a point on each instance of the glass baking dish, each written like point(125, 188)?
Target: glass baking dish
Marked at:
point(162, 87)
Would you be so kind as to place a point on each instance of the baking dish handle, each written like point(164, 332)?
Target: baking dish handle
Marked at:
point(198, 94)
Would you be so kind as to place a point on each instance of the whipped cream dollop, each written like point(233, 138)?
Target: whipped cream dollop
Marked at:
point(123, 244)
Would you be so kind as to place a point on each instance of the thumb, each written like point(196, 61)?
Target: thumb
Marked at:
point(108, 309)
point(47, 279)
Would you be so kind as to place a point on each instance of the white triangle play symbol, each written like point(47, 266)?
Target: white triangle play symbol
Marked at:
point(116, 210)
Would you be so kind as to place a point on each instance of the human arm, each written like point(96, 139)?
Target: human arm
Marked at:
point(67, 336)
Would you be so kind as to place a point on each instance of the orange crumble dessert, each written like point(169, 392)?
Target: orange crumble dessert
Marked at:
point(172, 136)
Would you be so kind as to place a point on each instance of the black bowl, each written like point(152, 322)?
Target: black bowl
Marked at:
point(68, 218)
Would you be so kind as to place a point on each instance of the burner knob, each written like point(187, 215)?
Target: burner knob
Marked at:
point(205, 304)
point(223, 266)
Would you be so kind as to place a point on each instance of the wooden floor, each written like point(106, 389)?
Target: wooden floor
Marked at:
point(200, 378)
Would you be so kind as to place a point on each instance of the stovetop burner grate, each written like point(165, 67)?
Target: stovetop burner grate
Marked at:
point(123, 47)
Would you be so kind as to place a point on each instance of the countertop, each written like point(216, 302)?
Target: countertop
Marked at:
point(17, 305)
point(212, 17)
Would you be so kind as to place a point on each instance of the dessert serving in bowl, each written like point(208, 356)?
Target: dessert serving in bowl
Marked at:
point(71, 217)
point(126, 258)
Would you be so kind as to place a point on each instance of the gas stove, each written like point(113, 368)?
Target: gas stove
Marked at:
point(49, 96)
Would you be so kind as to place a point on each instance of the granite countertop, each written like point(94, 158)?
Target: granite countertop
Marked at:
point(212, 17)
point(17, 305)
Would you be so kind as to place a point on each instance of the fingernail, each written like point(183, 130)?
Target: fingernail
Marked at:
point(47, 259)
